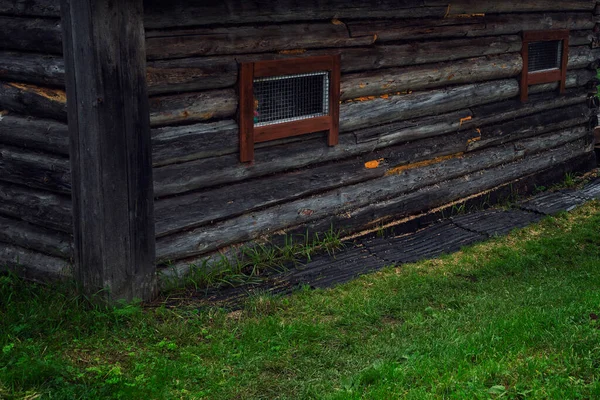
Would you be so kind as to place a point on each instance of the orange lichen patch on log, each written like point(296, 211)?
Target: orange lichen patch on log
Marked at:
point(437, 160)
point(475, 15)
point(51, 94)
point(375, 37)
point(336, 21)
point(292, 52)
point(3, 113)
point(362, 85)
point(475, 139)
point(463, 120)
point(373, 164)
point(369, 98)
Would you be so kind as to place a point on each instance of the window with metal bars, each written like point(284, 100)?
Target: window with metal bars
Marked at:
point(283, 98)
point(545, 58)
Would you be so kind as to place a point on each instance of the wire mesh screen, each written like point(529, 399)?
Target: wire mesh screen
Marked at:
point(290, 98)
point(545, 55)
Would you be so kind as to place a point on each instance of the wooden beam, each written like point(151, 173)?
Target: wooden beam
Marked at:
point(109, 128)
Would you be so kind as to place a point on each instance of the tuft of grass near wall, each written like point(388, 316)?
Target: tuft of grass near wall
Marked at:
point(516, 317)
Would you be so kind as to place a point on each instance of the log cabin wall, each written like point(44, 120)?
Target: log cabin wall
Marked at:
point(429, 114)
point(35, 204)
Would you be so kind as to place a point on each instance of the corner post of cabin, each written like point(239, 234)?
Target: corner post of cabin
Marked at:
point(109, 129)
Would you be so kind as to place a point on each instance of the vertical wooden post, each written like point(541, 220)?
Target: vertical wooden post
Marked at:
point(109, 125)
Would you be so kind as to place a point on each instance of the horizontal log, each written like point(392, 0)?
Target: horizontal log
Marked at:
point(35, 169)
point(489, 25)
point(173, 109)
point(581, 38)
point(576, 78)
point(374, 83)
point(32, 264)
point(169, 44)
point(357, 115)
point(23, 234)
point(180, 13)
point(29, 8)
point(200, 208)
point(32, 133)
point(33, 100)
point(582, 57)
point(253, 225)
point(45, 70)
point(30, 34)
point(49, 210)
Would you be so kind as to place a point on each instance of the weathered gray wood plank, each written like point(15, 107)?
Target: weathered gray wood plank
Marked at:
point(30, 34)
point(44, 70)
point(32, 264)
point(33, 133)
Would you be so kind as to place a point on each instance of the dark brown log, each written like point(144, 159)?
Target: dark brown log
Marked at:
point(374, 83)
point(49, 210)
point(191, 74)
point(397, 181)
point(194, 107)
point(168, 44)
point(35, 169)
point(358, 115)
point(33, 100)
point(38, 69)
point(30, 34)
point(26, 235)
point(490, 25)
point(32, 264)
point(179, 13)
point(35, 8)
point(32, 133)
point(110, 147)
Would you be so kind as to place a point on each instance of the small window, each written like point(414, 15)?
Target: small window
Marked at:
point(545, 59)
point(284, 98)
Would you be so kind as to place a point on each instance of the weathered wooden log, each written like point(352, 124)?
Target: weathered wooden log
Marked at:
point(35, 169)
point(168, 44)
point(576, 78)
point(357, 115)
point(32, 264)
point(431, 197)
point(489, 25)
point(581, 38)
point(194, 107)
point(33, 100)
point(374, 83)
point(33, 68)
point(398, 181)
point(200, 208)
point(30, 34)
point(31, 8)
point(50, 210)
point(191, 74)
point(582, 56)
point(32, 133)
point(179, 13)
point(26, 235)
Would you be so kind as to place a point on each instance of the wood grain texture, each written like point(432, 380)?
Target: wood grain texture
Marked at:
point(34, 133)
point(43, 70)
point(42, 208)
point(169, 44)
point(110, 140)
point(32, 264)
point(30, 34)
point(33, 100)
point(35, 169)
point(429, 76)
point(29, 236)
point(36, 8)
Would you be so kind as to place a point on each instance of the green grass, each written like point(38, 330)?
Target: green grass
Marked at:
point(513, 318)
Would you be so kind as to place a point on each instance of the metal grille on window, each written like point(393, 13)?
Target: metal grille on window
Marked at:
point(545, 56)
point(289, 98)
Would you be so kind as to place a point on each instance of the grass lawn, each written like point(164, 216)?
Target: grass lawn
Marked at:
point(516, 317)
